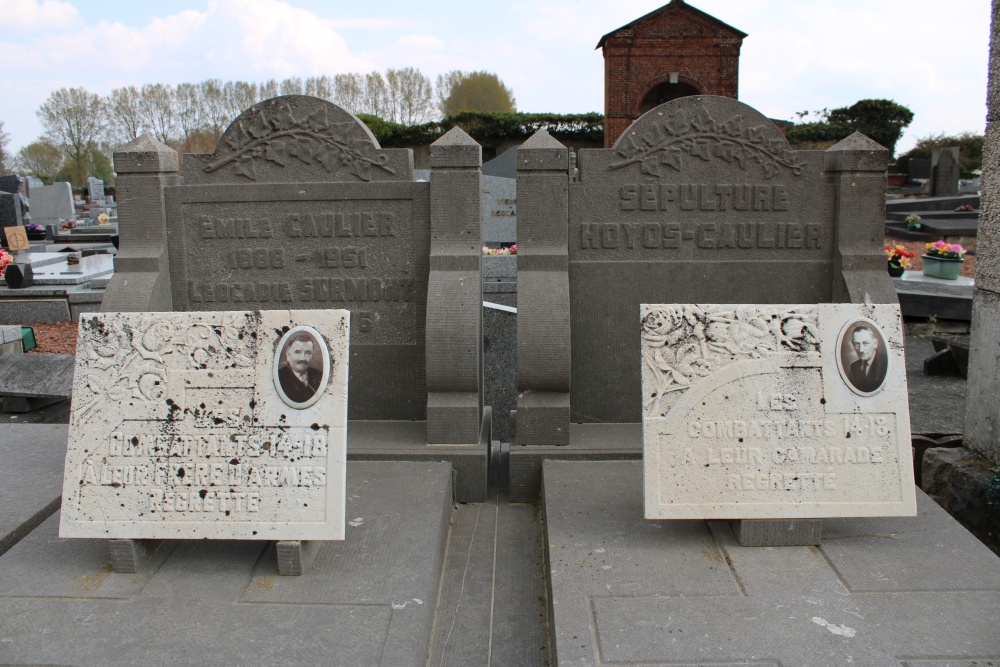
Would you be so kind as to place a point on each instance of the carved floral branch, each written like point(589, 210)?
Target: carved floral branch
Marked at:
point(703, 137)
point(312, 139)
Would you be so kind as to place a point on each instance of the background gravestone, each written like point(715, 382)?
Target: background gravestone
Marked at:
point(95, 190)
point(701, 201)
point(10, 211)
point(300, 208)
point(51, 204)
point(944, 172)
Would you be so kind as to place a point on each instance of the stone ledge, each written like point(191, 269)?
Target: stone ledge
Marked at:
point(958, 479)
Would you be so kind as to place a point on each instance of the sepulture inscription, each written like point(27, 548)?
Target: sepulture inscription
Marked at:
point(775, 411)
point(228, 425)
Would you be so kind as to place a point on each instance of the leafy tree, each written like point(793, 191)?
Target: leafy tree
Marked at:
point(95, 163)
point(75, 119)
point(4, 157)
point(881, 120)
point(41, 159)
point(476, 91)
point(970, 157)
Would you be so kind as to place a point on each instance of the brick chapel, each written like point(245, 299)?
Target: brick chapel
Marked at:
point(671, 52)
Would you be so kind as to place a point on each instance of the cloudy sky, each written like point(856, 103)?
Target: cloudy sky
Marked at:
point(928, 55)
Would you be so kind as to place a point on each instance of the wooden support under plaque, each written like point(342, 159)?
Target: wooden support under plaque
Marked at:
point(295, 556)
point(128, 556)
point(778, 532)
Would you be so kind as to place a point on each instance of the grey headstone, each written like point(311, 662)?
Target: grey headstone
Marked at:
point(499, 210)
point(335, 227)
point(95, 190)
point(51, 204)
point(944, 172)
point(12, 183)
point(701, 197)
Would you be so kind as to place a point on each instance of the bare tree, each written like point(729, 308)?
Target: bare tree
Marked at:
point(216, 110)
point(75, 119)
point(156, 104)
point(189, 110)
point(292, 86)
point(349, 91)
point(124, 114)
point(375, 101)
point(410, 96)
point(320, 86)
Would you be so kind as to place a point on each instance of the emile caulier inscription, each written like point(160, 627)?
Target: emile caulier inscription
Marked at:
point(747, 414)
point(179, 430)
point(673, 199)
point(332, 249)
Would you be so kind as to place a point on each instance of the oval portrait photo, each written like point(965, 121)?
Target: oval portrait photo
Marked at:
point(864, 356)
point(301, 367)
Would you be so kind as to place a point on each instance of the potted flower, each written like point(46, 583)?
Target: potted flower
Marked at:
point(899, 259)
point(913, 221)
point(943, 260)
point(34, 232)
point(5, 259)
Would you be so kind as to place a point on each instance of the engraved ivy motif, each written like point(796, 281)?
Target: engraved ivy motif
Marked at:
point(702, 137)
point(129, 360)
point(311, 139)
point(683, 344)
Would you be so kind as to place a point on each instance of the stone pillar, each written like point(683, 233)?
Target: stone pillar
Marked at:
point(543, 324)
point(142, 280)
point(982, 416)
point(858, 166)
point(454, 292)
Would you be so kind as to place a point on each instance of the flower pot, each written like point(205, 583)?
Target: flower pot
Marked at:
point(896, 271)
point(940, 267)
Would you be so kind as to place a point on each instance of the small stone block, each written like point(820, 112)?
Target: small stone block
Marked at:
point(18, 276)
point(295, 556)
point(128, 556)
point(942, 363)
point(778, 533)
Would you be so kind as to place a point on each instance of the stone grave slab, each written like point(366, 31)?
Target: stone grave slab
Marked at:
point(89, 268)
point(775, 411)
point(367, 600)
point(902, 591)
point(52, 204)
point(924, 296)
point(210, 425)
point(31, 457)
point(28, 382)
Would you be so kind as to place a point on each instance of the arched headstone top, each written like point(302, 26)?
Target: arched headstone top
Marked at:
point(704, 129)
point(297, 138)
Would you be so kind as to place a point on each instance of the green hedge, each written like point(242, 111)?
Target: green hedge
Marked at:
point(489, 129)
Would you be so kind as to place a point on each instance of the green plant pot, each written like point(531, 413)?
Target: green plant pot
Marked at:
point(896, 271)
point(939, 267)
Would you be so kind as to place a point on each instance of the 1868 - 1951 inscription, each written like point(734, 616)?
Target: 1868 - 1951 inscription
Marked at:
point(181, 427)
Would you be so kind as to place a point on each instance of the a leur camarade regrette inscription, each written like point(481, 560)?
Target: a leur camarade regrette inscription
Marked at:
point(228, 425)
point(775, 411)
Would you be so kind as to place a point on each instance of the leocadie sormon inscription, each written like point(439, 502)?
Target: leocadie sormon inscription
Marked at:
point(228, 425)
point(775, 411)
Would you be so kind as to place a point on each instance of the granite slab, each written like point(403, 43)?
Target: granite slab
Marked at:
point(368, 600)
point(31, 457)
point(880, 591)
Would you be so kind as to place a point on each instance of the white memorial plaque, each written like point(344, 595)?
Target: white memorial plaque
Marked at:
point(218, 425)
point(775, 411)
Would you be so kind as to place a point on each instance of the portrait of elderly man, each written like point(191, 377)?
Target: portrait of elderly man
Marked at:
point(867, 373)
point(296, 374)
